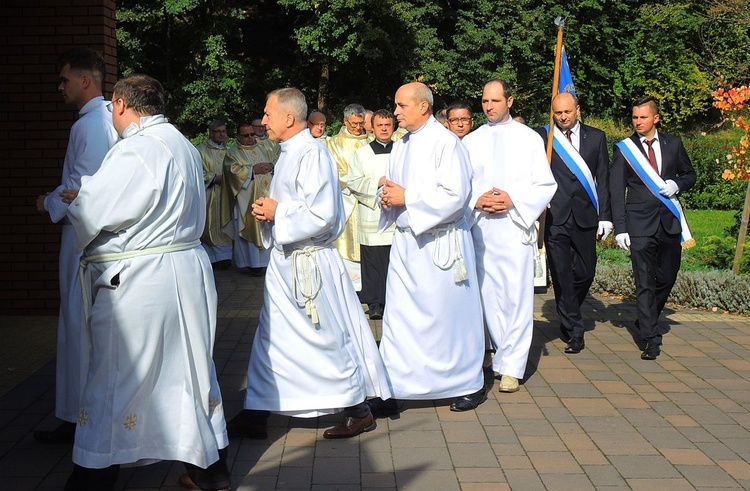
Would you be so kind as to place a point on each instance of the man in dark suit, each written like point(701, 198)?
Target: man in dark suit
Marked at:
point(644, 223)
point(573, 221)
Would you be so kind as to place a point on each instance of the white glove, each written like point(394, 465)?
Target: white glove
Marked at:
point(669, 188)
point(605, 228)
point(623, 240)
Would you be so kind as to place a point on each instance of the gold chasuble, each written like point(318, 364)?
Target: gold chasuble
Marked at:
point(273, 147)
point(238, 165)
point(342, 147)
point(212, 157)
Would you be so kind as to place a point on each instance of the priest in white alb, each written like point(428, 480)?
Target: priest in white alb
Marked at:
point(151, 392)
point(313, 352)
point(433, 339)
point(512, 185)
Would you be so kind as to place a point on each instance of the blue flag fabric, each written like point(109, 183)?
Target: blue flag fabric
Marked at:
point(566, 79)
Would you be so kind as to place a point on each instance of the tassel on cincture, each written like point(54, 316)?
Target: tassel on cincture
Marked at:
point(312, 311)
point(459, 270)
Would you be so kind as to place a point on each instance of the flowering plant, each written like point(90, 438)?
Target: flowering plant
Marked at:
point(734, 104)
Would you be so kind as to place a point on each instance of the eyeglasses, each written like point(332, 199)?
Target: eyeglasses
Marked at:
point(357, 123)
point(219, 131)
point(246, 135)
point(111, 104)
point(455, 121)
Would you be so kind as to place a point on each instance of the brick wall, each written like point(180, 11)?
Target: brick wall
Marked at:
point(34, 127)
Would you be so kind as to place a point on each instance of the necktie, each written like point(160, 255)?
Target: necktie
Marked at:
point(567, 135)
point(652, 155)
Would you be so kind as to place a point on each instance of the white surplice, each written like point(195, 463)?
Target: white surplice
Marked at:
point(365, 170)
point(91, 137)
point(298, 367)
point(433, 340)
point(151, 392)
point(511, 157)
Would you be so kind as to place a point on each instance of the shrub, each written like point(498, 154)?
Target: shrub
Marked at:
point(696, 289)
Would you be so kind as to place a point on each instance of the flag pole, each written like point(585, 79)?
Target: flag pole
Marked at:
point(560, 23)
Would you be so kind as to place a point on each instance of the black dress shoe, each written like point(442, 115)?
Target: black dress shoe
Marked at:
point(575, 345)
point(383, 409)
point(469, 402)
point(564, 334)
point(65, 433)
point(349, 427)
point(376, 311)
point(651, 352)
point(256, 272)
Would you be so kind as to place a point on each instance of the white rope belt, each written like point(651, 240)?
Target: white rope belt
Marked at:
point(306, 280)
point(118, 256)
point(447, 237)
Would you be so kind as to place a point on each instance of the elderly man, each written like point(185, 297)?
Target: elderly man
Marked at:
point(512, 186)
point(432, 326)
point(218, 244)
point(367, 167)
point(247, 176)
point(151, 391)
point(342, 146)
point(81, 79)
point(578, 212)
point(316, 123)
point(313, 351)
point(460, 119)
point(649, 170)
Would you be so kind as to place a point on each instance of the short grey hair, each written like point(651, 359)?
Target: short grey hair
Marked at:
point(216, 123)
point(354, 110)
point(423, 93)
point(293, 100)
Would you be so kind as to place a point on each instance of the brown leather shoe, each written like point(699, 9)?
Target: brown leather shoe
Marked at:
point(188, 483)
point(349, 427)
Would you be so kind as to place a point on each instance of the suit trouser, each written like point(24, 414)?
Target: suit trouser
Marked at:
point(571, 251)
point(656, 261)
point(374, 261)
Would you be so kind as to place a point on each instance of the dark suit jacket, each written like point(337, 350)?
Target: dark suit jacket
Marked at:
point(640, 212)
point(570, 196)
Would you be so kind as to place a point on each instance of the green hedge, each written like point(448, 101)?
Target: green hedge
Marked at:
point(696, 289)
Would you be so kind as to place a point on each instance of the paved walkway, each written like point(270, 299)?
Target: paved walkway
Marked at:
point(603, 419)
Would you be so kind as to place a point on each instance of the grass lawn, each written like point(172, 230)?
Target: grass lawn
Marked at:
point(703, 223)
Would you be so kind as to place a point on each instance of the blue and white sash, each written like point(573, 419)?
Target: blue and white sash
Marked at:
point(576, 164)
point(653, 181)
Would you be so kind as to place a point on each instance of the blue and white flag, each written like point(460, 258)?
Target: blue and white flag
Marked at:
point(565, 84)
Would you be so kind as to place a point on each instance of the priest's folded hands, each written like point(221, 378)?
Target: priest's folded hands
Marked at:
point(68, 195)
point(494, 201)
point(264, 209)
point(391, 195)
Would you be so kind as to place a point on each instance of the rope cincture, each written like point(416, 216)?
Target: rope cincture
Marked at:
point(118, 256)
point(305, 264)
point(455, 257)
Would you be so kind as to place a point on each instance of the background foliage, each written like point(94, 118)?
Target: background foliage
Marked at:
point(218, 58)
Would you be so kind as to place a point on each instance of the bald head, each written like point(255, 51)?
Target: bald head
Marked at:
point(413, 105)
point(565, 110)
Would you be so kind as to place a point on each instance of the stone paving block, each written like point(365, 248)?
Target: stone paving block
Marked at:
point(645, 418)
point(533, 443)
point(508, 462)
point(533, 427)
point(668, 437)
point(262, 468)
point(336, 471)
point(590, 407)
point(604, 476)
point(672, 484)
point(629, 401)
point(518, 412)
point(589, 457)
point(298, 457)
point(255, 483)
point(557, 415)
point(491, 475)
point(472, 455)
point(550, 462)
point(717, 451)
point(528, 480)
point(425, 458)
point(702, 476)
point(605, 424)
point(416, 421)
point(737, 469)
point(643, 466)
point(422, 479)
point(686, 456)
point(741, 446)
point(566, 482)
point(623, 443)
point(376, 462)
point(378, 480)
point(294, 477)
point(415, 439)
point(376, 441)
point(483, 486)
point(583, 390)
point(464, 432)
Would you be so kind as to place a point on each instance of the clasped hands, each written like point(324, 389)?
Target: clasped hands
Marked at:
point(264, 209)
point(494, 201)
point(262, 168)
point(391, 194)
